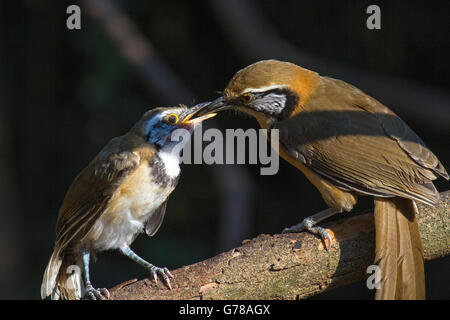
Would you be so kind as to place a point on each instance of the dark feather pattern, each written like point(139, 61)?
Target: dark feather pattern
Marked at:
point(104, 174)
point(350, 147)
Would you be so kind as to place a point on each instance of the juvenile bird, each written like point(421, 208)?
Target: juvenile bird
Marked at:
point(347, 144)
point(122, 192)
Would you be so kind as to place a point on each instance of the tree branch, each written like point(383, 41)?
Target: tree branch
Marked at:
point(291, 266)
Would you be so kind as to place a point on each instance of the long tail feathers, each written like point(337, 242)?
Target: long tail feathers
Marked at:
point(398, 251)
point(62, 278)
point(50, 274)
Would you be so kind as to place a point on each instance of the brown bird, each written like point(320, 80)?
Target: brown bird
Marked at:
point(347, 144)
point(120, 194)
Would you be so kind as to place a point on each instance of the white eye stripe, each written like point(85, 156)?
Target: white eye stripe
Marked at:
point(164, 114)
point(262, 89)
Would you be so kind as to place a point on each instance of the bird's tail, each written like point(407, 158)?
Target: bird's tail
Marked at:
point(62, 277)
point(398, 251)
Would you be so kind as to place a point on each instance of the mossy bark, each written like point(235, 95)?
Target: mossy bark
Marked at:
point(291, 266)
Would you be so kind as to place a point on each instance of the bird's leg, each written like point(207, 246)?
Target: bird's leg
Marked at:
point(163, 272)
point(91, 292)
point(309, 224)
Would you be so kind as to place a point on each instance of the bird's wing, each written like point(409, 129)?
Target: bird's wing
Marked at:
point(155, 220)
point(359, 144)
point(91, 190)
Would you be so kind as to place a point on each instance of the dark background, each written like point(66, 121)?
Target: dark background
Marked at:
point(65, 93)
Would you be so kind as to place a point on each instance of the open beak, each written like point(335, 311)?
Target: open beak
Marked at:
point(196, 116)
point(213, 107)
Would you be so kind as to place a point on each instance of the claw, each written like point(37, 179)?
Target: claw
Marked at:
point(168, 272)
point(308, 225)
point(331, 240)
point(164, 273)
point(325, 235)
point(97, 294)
point(167, 281)
point(105, 293)
point(155, 277)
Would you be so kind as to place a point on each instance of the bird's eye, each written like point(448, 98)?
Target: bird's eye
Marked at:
point(172, 118)
point(247, 98)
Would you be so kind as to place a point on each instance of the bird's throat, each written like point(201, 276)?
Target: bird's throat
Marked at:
point(171, 163)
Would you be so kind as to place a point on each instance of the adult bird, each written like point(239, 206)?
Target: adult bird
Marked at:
point(347, 144)
point(120, 194)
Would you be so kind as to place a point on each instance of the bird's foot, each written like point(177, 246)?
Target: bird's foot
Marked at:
point(164, 273)
point(96, 294)
point(308, 224)
point(154, 270)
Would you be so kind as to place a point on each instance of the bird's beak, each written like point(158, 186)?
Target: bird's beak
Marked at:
point(214, 106)
point(196, 116)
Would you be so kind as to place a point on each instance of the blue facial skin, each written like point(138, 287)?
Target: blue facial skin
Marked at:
point(160, 133)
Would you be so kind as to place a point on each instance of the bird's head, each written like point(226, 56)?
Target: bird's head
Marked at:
point(157, 125)
point(269, 90)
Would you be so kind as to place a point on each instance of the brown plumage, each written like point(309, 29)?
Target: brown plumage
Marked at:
point(120, 194)
point(347, 144)
point(84, 203)
point(399, 252)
